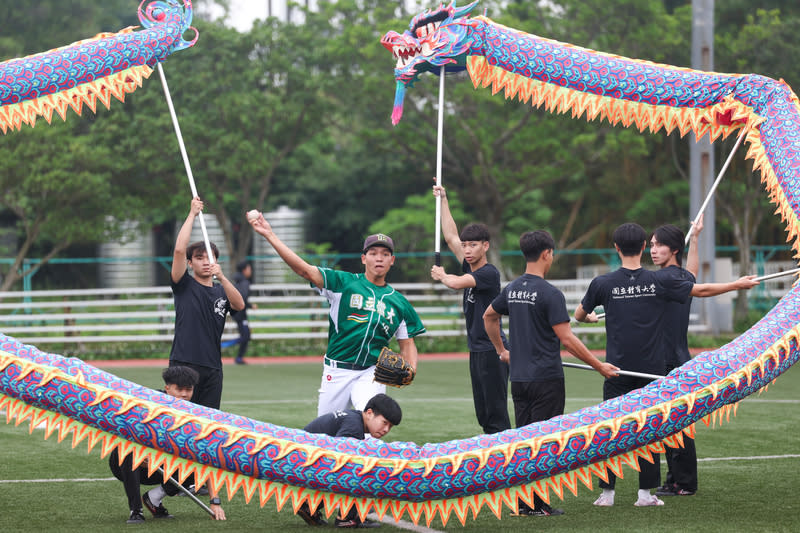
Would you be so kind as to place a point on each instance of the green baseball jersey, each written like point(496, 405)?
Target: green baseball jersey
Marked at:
point(364, 317)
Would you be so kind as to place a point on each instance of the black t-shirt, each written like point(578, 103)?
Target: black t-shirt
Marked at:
point(533, 307)
point(476, 300)
point(635, 302)
point(349, 423)
point(199, 320)
point(676, 322)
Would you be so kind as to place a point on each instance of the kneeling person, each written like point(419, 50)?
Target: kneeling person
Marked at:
point(378, 417)
point(179, 382)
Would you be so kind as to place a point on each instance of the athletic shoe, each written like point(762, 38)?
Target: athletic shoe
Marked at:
point(667, 490)
point(651, 500)
point(312, 519)
point(239, 361)
point(356, 523)
point(158, 512)
point(202, 491)
point(136, 517)
point(685, 492)
point(604, 500)
point(545, 510)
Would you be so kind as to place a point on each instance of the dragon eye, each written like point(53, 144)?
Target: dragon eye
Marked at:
point(422, 31)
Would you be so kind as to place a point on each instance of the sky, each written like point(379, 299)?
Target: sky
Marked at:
point(244, 12)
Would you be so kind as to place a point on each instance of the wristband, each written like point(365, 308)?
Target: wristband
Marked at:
point(214, 501)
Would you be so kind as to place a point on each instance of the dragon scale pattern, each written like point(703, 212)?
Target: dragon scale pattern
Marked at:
point(463, 476)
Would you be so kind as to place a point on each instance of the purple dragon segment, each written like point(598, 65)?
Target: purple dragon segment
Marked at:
point(106, 65)
point(439, 479)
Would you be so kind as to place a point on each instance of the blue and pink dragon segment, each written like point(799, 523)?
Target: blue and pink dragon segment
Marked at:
point(109, 64)
point(72, 398)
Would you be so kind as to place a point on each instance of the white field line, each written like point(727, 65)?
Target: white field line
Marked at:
point(60, 480)
point(751, 458)
point(457, 399)
point(402, 524)
point(451, 399)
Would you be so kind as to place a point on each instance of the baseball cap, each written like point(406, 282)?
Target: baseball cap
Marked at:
point(379, 239)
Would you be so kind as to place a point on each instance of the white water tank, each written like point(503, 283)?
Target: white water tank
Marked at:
point(133, 272)
point(288, 225)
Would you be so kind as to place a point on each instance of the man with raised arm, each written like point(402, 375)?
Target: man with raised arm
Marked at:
point(365, 313)
point(635, 300)
point(666, 251)
point(200, 310)
point(481, 284)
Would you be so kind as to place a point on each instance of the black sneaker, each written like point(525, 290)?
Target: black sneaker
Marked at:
point(356, 523)
point(522, 509)
point(667, 490)
point(312, 519)
point(158, 512)
point(545, 510)
point(239, 361)
point(136, 517)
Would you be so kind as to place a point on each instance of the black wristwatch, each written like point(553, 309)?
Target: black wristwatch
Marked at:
point(214, 501)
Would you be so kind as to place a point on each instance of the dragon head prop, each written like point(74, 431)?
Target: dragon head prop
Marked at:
point(433, 39)
point(176, 12)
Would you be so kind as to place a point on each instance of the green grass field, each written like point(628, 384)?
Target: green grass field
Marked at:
point(747, 482)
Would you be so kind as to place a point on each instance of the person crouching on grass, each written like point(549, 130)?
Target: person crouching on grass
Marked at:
point(179, 382)
point(378, 417)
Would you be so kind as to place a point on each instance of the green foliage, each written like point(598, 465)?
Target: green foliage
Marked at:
point(298, 115)
point(410, 226)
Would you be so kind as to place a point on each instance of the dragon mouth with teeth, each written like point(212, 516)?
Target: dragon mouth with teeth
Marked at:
point(434, 39)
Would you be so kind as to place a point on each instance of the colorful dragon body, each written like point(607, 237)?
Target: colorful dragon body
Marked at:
point(232, 452)
point(94, 69)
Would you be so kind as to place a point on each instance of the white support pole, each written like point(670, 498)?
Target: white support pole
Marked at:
point(760, 278)
point(187, 492)
point(186, 164)
point(440, 134)
point(777, 274)
point(716, 183)
point(620, 372)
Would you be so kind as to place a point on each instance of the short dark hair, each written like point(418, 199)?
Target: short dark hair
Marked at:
point(384, 405)
point(630, 238)
point(182, 377)
point(671, 236)
point(533, 243)
point(241, 265)
point(200, 245)
point(475, 232)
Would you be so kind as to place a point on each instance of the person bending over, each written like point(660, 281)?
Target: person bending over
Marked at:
point(378, 417)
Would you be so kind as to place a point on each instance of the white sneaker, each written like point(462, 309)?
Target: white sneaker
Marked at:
point(652, 500)
point(605, 500)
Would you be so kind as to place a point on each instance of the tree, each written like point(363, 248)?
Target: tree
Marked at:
point(521, 168)
point(762, 42)
point(56, 189)
point(58, 186)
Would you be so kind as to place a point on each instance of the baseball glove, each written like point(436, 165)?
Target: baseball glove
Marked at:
point(392, 369)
